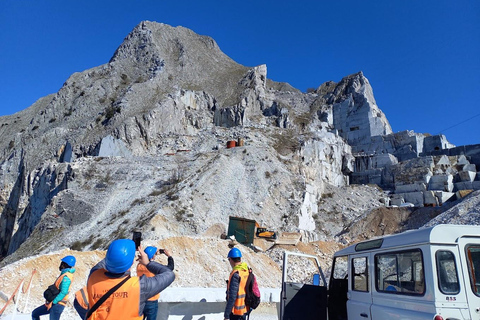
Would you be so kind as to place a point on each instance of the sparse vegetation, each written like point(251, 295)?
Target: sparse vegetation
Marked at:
point(174, 179)
point(124, 79)
point(155, 193)
point(179, 214)
point(79, 245)
point(138, 202)
point(302, 120)
point(90, 173)
point(172, 196)
point(111, 111)
point(120, 233)
point(107, 179)
point(141, 79)
point(99, 244)
point(286, 143)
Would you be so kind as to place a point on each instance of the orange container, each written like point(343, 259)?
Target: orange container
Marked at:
point(231, 144)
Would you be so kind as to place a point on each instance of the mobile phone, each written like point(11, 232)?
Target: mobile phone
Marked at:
point(137, 238)
point(161, 251)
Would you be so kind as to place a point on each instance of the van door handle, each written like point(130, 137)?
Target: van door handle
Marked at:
point(364, 315)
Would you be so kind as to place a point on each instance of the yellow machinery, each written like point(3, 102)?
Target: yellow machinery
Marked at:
point(262, 232)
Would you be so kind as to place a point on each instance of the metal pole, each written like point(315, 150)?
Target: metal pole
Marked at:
point(283, 293)
point(17, 301)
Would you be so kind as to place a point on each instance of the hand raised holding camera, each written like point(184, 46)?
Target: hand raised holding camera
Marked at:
point(165, 252)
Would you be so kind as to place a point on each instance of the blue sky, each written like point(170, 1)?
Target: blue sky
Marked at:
point(422, 58)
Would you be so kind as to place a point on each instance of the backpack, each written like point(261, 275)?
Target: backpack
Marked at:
point(252, 293)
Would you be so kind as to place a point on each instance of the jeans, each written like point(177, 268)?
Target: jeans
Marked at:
point(237, 317)
point(150, 310)
point(55, 312)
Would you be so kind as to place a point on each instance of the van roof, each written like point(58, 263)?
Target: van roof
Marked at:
point(439, 234)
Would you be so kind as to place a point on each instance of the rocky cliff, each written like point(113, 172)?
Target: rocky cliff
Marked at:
point(139, 143)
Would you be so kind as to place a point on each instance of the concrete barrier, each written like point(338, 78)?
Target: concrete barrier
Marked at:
point(209, 304)
point(177, 303)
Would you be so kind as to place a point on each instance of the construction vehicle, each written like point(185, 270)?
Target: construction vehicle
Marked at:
point(426, 274)
point(262, 232)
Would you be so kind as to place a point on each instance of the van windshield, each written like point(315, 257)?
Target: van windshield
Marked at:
point(473, 257)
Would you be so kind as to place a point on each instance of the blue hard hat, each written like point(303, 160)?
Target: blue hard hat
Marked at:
point(234, 253)
point(150, 251)
point(70, 260)
point(120, 255)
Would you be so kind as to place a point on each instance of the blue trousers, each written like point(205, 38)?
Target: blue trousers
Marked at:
point(237, 317)
point(150, 311)
point(55, 312)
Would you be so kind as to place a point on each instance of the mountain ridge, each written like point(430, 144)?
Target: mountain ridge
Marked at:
point(139, 143)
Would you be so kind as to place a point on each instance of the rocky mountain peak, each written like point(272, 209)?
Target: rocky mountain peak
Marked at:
point(176, 57)
point(143, 139)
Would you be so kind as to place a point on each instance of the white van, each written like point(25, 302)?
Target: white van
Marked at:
point(431, 273)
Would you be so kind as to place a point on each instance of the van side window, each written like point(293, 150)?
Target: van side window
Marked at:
point(473, 258)
point(400, 272)
point(447, 272)
point(340, 268)
point(360, 274)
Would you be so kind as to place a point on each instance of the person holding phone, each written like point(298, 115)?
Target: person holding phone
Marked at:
point(151, 306)
point(113, 293)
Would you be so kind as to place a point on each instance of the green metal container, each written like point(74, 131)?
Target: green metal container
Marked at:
point(243, 230)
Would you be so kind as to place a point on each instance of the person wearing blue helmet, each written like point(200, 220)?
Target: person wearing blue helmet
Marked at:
point(59, 297)
point(128, 299)
point(235, 308)
point(151, 306)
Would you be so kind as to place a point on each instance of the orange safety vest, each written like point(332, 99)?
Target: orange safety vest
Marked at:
point(81, 296)
point(122, 304)
point(142, 270)
point(64, 301)
point(239, 308)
